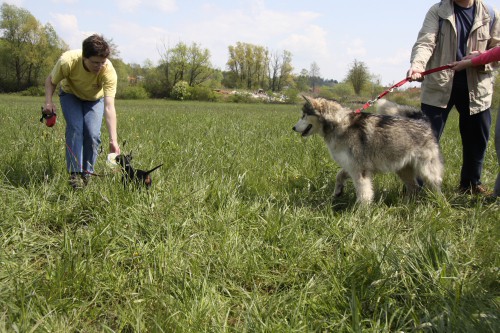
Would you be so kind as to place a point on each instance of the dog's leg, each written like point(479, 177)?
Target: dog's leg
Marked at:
point(364, 187)
point(342, 176)
point(408, 177)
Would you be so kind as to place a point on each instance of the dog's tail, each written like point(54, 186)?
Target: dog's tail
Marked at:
point(156, 167)
point(383, 106)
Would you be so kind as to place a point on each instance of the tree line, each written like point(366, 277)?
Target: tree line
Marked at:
point(29, 49)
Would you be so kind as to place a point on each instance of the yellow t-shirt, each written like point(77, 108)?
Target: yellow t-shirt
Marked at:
point(85, 85)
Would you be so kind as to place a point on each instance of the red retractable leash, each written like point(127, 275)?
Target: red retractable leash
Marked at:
point(50, 119)
point(399, 84)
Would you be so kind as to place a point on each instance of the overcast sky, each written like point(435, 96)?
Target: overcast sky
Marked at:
point(331, 33)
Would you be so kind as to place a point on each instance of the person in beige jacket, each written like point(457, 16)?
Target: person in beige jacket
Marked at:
point(453, 29)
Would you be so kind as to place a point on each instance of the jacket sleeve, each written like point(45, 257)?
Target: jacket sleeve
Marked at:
point(489, 56)
point(494, 39)
point(426, 41)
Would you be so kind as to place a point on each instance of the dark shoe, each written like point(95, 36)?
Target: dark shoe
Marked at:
point(86, 179)
point(474, 190)
point(76, 181)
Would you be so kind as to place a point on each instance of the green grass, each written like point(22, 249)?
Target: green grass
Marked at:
point(239, 233)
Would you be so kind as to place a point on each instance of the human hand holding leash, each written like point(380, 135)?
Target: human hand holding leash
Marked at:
point(415, 75)
point(465, 62)
point(49, 108)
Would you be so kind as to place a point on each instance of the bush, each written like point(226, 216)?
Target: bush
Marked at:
point(34, 91)
point(242, 97)
point(203, 94)
point(181, 91)
point(340, 92)
point(132, 92)
point(291, 96)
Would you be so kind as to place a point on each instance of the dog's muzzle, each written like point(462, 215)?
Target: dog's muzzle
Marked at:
point(304, 132)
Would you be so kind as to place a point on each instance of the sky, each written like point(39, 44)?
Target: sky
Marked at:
point(330, 33)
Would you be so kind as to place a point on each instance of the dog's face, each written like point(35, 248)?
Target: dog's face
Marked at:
point(124, 160)
point(310, 123)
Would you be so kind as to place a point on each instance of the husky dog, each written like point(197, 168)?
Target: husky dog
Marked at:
point(364, 144)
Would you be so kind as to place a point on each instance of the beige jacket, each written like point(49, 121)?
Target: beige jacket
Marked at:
point(436, 46)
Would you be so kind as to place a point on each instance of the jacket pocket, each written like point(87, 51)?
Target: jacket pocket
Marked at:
point(483, 36)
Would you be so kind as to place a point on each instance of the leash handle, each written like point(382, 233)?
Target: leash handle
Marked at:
point(399, 84)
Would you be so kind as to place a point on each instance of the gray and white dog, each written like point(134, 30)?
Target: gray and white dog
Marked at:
point(364, 144)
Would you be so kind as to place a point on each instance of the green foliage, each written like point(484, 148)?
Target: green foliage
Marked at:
point(181, 91)
point(122, 73)
point(248, 64)
point(292, 95)
point(239, 232)
point(132, 92)
point(28, 49)
point(202, 94)
point(33, 91)
point(358, 75)
point(154, 83)
point(242, 97)
point(185, 63)
point(340, 92)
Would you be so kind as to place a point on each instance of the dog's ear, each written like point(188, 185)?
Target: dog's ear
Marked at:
point(308, 107)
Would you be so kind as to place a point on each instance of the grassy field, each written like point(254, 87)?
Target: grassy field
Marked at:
point(239, 233)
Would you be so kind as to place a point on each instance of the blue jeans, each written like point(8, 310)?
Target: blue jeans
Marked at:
point(83, 131)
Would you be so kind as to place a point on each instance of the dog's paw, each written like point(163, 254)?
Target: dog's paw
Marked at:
point(339, 190)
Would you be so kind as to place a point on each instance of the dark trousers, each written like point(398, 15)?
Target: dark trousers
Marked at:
point(474, 131)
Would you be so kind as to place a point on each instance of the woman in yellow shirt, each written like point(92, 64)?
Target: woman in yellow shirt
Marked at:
point(87, 92)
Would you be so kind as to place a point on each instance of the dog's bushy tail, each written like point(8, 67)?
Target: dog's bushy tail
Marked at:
point(385, 107)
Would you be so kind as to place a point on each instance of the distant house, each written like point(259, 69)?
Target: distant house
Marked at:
point(133, 80)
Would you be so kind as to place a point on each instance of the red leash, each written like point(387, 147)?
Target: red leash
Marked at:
point(81, 166)
point(399, 84)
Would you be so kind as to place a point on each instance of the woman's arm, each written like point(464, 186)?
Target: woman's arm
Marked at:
point(110, 115)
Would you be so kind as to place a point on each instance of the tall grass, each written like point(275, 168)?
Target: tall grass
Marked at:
point(238, 233)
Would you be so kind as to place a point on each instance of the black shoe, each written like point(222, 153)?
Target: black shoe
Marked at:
point(76, 181)
point(86, 178)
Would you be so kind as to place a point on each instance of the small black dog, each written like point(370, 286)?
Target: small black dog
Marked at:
point(134, 175)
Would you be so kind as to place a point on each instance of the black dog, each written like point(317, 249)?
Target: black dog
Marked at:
point(134, 175)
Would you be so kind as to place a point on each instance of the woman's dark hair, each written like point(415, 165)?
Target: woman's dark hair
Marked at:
point(95, 45)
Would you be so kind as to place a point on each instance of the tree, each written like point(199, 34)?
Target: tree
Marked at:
point(358, 76)
point(31, 47)
point(314, 75)
point(280, 70)
point(185, 63)
point(200, 68)
point(248, 66)
point(302, 80)
point(113, 48)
